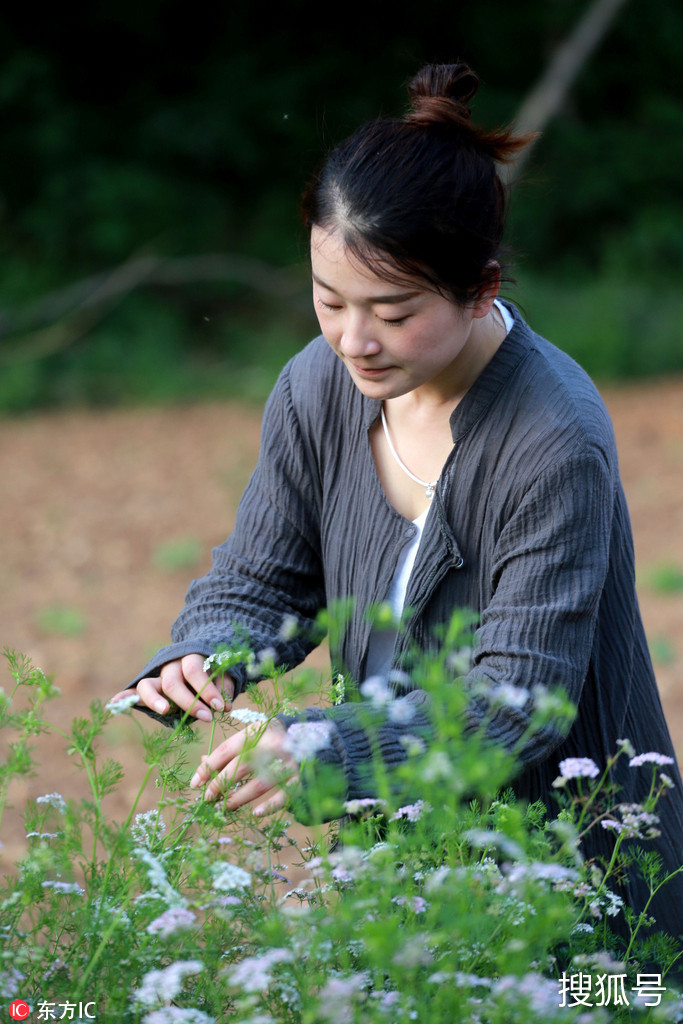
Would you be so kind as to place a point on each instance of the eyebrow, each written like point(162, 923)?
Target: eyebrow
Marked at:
point(375, 299)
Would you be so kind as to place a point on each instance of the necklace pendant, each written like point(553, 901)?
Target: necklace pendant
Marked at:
point(430, 491)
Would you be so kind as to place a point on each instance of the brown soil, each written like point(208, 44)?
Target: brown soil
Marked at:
point(100, 507)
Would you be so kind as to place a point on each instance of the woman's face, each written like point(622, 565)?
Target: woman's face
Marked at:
point(393, 338)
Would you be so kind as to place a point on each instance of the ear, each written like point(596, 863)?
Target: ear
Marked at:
point(481, 306)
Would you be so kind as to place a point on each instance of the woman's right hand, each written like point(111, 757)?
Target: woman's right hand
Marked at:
point(184, 684)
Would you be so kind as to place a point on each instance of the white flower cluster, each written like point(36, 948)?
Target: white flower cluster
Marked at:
point(539, 992)
point(118, 707)
point(437, 878)
point(164, 985)
point(343, 865)
point(173, 920)
point(339, 689)
point(636, 822)
point(148, 827)
point(411, 812)
point(253, 973)
point(289, 628)
point(10, 982)
point(576, 768)
point(232, 656)
point(484, 838)
point(229, 876)
point(599, 902)
point(247, 715)
point(55, 800)
point(437, 766)
point(539, 871)
point(159, 883)
point(418, 904)
point(415, 952)
point(377, 691)
point(64, 887)
point(338, 994)
point(652, 757)
point(507, 695)
point(264, 662)
point(369, 803)
point(305, 739)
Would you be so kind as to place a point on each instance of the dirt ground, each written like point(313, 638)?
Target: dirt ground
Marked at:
point(107, 516)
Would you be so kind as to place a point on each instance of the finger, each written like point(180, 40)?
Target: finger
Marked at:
point(230, 776)
point(253, 789)
point(121, 694)
point(274, 803)
point(149, 692)
point(226, 754)
point(192, 666)
point(174, 686)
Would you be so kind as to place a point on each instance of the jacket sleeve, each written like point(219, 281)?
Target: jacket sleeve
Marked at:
point(548, 573)
point(549, 568)
point(266, 581)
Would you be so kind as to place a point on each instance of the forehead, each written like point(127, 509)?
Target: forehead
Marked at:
point(365, 272)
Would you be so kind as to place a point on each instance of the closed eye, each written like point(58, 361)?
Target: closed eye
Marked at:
point(329, 308)
point(327, 305)
point(394, 323)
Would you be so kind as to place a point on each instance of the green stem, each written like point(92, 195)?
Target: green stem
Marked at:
point(643, 914)
point(124, 831)
point(93, 961)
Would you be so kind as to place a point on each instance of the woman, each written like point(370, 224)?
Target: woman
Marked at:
point(430, 449)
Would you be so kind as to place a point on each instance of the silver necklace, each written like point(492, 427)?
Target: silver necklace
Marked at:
point(429, 487)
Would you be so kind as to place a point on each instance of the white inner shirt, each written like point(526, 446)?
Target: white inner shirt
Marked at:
point(382, 641)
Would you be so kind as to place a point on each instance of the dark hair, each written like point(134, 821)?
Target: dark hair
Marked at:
point(420, 195)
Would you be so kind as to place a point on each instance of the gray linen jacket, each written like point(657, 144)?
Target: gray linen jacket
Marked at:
point(529, 529)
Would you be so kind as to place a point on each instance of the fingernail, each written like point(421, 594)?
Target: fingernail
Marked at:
point(217, 703)
point(208, 794)
point(160, 706)
point(203, 715)
point(195, 780)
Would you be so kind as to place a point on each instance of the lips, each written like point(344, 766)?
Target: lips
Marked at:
point(370, 371)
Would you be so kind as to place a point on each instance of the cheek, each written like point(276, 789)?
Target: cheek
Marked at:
point(328, 328)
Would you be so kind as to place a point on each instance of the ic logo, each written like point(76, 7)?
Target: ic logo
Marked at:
point(19, 1010)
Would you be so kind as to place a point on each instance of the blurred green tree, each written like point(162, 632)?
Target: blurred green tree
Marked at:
point(150, 131)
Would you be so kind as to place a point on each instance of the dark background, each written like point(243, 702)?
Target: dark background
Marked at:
point(137, 138)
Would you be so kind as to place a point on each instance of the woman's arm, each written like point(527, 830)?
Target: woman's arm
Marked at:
point(265, 587)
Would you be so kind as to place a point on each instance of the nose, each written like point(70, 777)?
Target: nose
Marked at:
point(358, 339)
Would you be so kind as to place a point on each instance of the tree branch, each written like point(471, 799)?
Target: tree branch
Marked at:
point(550, 92)
point(63, 317)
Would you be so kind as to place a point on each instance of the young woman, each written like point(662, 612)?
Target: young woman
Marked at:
point(430, 449)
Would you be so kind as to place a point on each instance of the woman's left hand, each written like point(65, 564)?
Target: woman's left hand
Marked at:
point(234, 764)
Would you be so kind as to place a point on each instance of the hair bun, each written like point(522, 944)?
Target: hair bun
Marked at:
point(456, 83)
